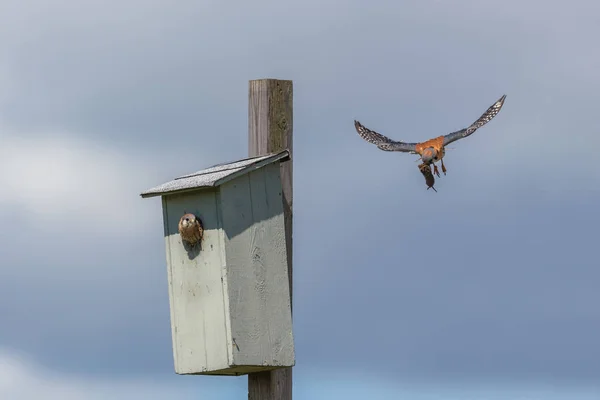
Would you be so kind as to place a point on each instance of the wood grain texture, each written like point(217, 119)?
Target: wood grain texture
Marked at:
point(270, 129)
point(257, 275)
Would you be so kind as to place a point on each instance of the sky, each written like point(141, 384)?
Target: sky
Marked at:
point(486, 289)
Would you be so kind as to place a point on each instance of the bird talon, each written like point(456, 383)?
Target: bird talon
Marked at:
point(435, 170)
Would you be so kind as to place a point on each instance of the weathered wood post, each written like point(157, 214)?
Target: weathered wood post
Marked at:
point(270, 130)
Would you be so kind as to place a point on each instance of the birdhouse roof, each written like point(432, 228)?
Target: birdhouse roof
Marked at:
point(215, 175)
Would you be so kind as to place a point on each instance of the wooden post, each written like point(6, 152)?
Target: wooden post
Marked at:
point(270, 128)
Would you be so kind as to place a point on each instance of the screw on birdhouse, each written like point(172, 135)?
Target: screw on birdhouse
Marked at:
point(191, 229)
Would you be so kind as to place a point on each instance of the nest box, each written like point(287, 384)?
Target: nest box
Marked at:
point(229, 292)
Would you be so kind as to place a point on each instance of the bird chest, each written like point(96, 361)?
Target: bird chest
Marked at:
point(227, 268)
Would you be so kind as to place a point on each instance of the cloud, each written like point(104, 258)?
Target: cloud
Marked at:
point(435, 67)
point(365, 384)
point(99, 104)
point(52, 179)
point(22, 378)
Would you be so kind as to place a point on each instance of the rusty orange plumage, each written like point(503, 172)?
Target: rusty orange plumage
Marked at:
point(430, 151)
point(437, 143)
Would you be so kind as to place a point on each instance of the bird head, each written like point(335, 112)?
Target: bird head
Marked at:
point(188, 220)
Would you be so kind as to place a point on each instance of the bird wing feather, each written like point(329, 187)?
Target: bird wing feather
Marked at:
point(383, 142)
point(486, 117)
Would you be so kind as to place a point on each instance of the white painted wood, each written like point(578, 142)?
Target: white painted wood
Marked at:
point(196, 290)
point(230, 301)
point(257, 276)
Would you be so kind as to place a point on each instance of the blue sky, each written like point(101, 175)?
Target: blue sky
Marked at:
point(486, 289)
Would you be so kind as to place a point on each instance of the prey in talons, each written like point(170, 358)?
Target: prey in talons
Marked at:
point(430, 151)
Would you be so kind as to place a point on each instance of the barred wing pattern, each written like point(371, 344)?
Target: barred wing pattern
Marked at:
point(383, 142)
point(484, 119)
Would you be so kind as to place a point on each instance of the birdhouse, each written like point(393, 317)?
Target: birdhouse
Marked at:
point(228, 287)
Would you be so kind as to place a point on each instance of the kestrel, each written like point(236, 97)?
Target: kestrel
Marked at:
point(432, 150)
point(191, 229)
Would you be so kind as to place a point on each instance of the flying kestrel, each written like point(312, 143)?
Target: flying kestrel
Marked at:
point(432, 150)
point(190, 229)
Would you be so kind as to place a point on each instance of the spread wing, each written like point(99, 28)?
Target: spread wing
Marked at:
point(484, 119)
point(383, 142)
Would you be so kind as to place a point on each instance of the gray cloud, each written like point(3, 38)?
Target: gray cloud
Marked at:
point(23, 378)
point(491, 277)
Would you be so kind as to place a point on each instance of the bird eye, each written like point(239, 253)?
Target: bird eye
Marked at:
point(187, 219)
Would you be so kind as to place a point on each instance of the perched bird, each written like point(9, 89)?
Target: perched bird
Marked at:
point(432, 150)
point(190, 229)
